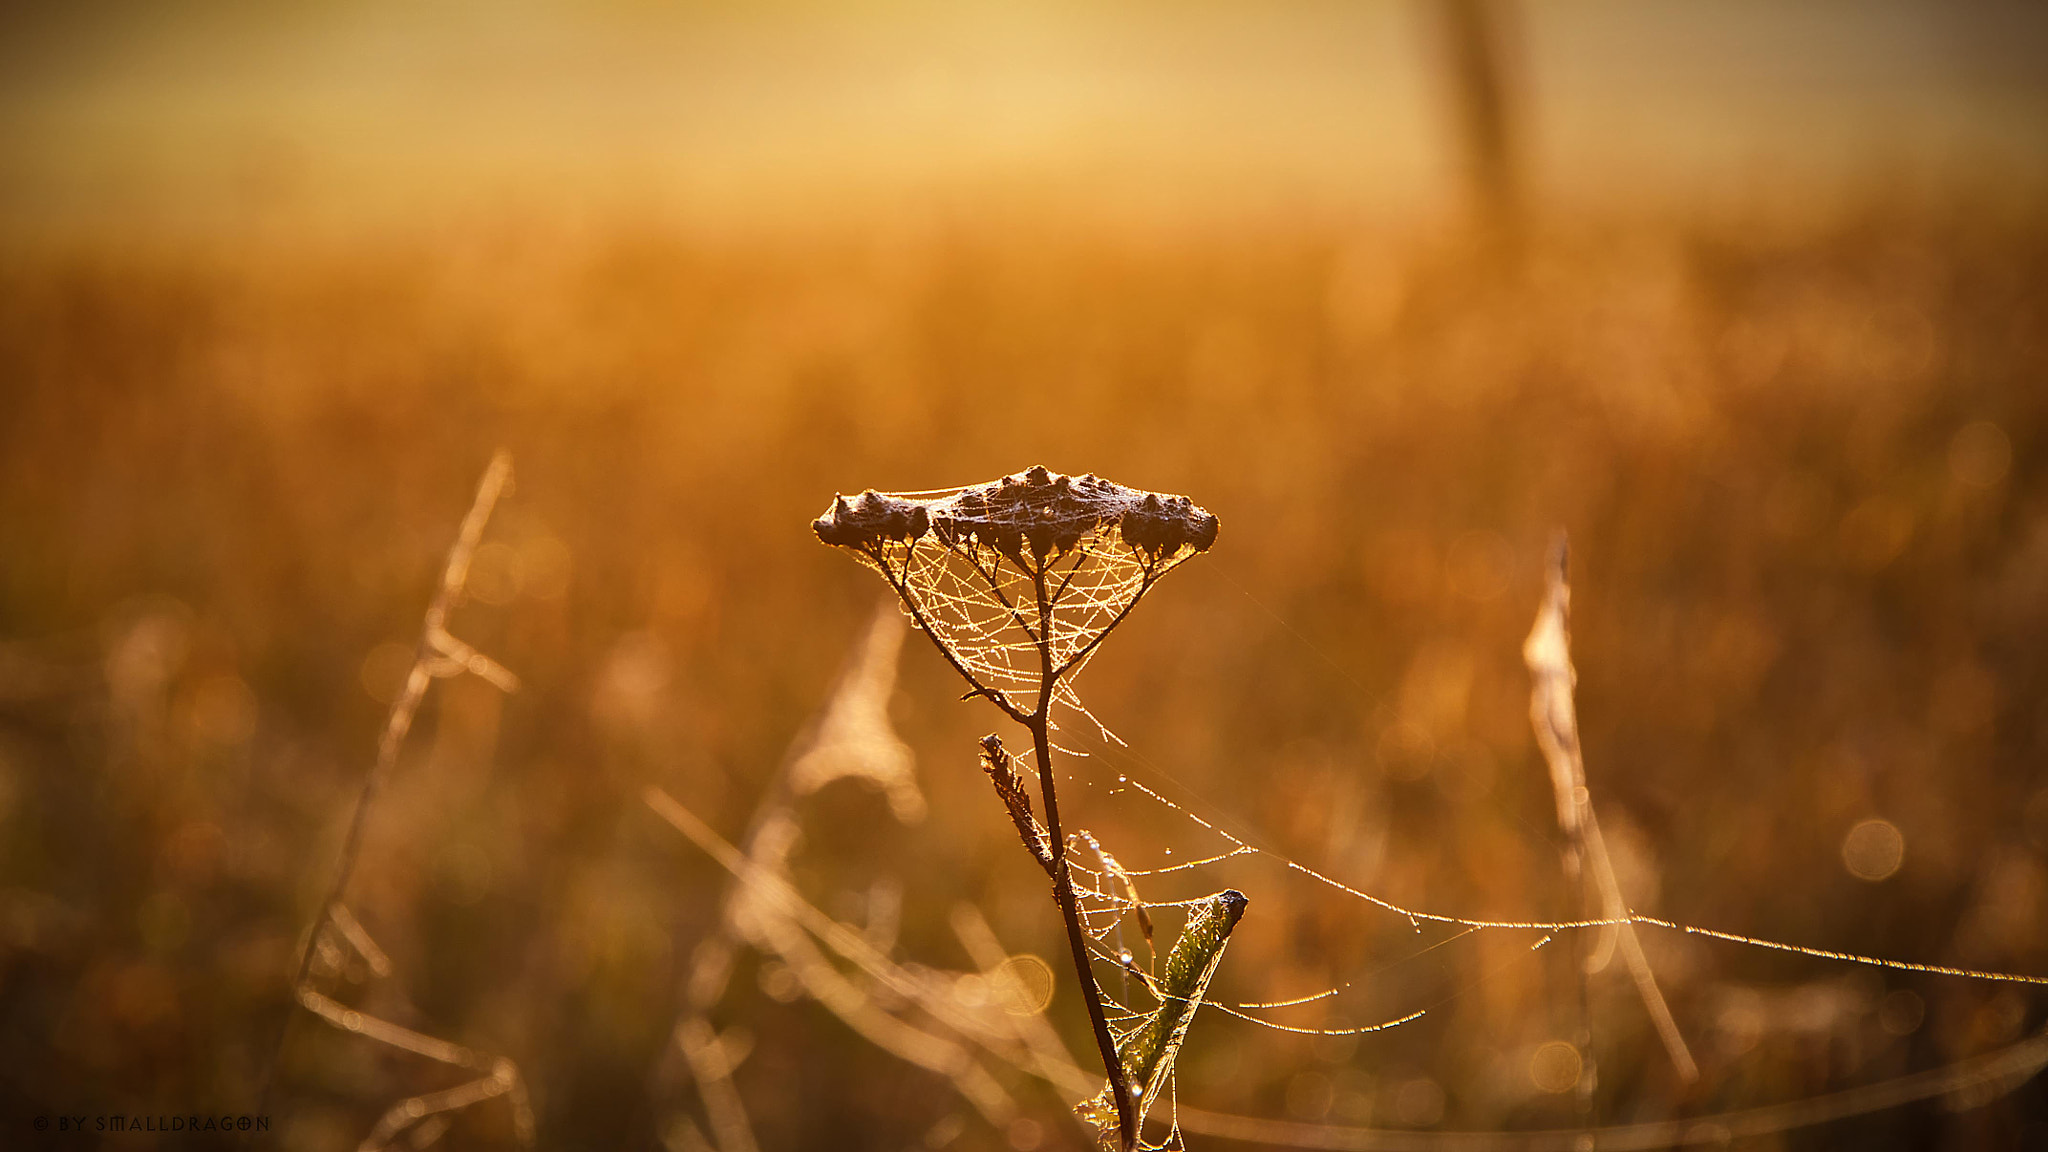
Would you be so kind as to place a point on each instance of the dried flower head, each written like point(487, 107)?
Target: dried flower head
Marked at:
point(1017, 582)
point(1033, 565)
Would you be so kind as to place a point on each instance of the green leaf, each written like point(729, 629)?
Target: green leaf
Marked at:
point(1148, 1051)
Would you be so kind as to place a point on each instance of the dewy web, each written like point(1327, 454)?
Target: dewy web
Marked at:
point(1017, 582)
point(966, 562)
point(1029, 573)
point(1111, 892)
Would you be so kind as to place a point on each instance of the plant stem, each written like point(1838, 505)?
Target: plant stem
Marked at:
point(434, 643)
point(1063, 880)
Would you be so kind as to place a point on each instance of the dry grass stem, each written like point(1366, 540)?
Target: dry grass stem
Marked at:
point(358, 938)
point(437, 654)
point(852, 738)
point(764, 910)
point(1555, 718)
point(776, 918)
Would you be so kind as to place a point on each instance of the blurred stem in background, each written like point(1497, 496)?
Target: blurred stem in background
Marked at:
point(1477, 42)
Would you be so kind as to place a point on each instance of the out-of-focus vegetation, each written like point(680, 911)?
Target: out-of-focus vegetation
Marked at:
point(1801, 466)
point(1798, 445)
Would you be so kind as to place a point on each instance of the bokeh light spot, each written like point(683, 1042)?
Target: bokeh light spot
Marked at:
point(1309, 1096)
point(971, 991)
point(1901, 1013)
point(223, 711)
point(384, 670)
point(1022, 985)
point(779, 982)
point(1979, 454)
point(1873, 850)
point(494, 574)
point(1875, 532)
point(543, 567)
point(1480, 565)
point(1555, 1067)
point(1405, 752)
point(1419, 1103)
point(1025, 1134)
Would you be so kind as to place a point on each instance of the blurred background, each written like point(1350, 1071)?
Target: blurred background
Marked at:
point(1752, 298)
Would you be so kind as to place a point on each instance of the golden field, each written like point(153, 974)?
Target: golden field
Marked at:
point(1799, 465)
point(274, 292)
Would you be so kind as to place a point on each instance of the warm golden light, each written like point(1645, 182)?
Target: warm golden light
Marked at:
point(421, 430)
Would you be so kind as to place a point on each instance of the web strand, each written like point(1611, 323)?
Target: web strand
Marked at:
point(1237, 846)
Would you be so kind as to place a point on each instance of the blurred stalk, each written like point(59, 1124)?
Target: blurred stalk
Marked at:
point(1475, 41)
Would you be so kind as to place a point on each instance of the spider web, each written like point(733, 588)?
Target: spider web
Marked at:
point(1018, 580)
point(1113, 911)
point(1109, 902)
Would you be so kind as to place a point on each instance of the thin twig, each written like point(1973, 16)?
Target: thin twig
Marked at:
point(435, 643)
point(1063, 875)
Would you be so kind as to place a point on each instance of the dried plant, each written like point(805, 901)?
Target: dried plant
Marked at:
point(908, 1011)
point(1017, 582)
point(852, 739)
point(911, 1011)
point(1961, 1085)
point(337, 943)
point(1587, 867)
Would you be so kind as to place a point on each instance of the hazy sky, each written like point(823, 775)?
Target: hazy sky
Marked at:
point(133, 109)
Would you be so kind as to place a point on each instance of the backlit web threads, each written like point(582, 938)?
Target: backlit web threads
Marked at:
point(1019, 579)
point(1106, 902)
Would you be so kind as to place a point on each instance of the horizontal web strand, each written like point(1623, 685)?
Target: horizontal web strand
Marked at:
point(1417, 917)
